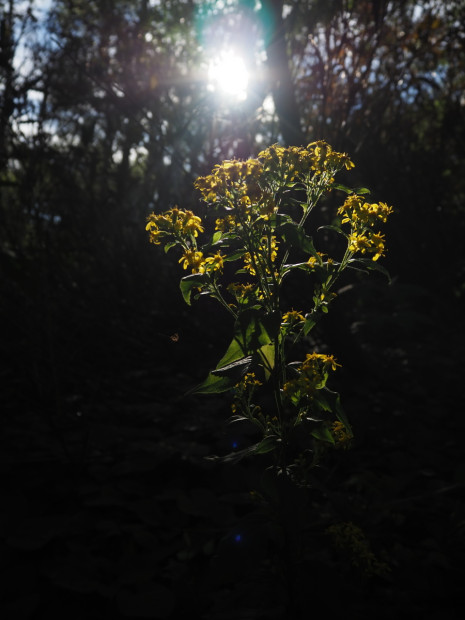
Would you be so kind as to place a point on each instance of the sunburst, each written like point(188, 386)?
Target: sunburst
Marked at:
point(228, 75)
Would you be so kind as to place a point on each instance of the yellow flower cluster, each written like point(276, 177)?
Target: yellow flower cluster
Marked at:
point(233, 180)
point(199, 264)
point(243, 184)
point(293, 316)
point(226, 224)
point(193, 259)
point(298, 163)
point(214, 263)
point(240, 291)
point(340, 433)
point(312, 375)
point(267, 205)
point(314, 260)
point(370, 242)
point(243, 395)
point(321, 360)
point(355, 210)
point(248, 381)
point(173, 222)
point(362, 216)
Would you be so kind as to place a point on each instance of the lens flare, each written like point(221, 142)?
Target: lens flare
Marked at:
point(228, 75)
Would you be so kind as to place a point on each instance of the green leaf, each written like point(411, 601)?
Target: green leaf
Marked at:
point(323, 433)
point(288, 267)
point(360, 191)
point(188, 283)
point(342, 188)
point(266, 355)
point(332, 403)
point(334, 228)
point(266, 445)
point(235, 255)
point(233, 372)
point(262, 447)
point(238, 418)
point(169, 245)
point(252, 331)
point(295, 236)
point(322, 403)
point(214, 384)
point(235, 366)
point(337, 409)
point(371, 265)
point(310, 322)
point(278, 219)
point(314, 418)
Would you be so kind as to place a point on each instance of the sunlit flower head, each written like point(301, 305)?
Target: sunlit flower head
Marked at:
point(193, 259)
point(213, 263)
point(293, 316)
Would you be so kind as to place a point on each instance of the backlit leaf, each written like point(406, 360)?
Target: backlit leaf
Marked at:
point(295, 236)
point(189, 283)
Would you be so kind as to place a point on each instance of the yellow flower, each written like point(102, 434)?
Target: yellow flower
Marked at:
point(371, 243)
point(380, 211)
point(317, 260)
point(232, 180)
point(293, 316)
point(273, 248)
point(248, 264)
point(341, 435)
point(294, 164)
point(267, 206)
point(155, 233)
point(313, 373)
point(358, 243)
point(193, 259)
point(226, 223)
point(191, 224)
point(240, 291)
point(213, 263)
point(174, 223)
point(250, 380)
point(327, 297)
point(314, 361)
point(153, 228)
point(377, 241)
point(356, 211)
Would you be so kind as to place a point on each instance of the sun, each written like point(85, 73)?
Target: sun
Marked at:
point(228, 75)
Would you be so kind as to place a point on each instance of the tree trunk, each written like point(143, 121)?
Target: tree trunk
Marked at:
point(279, 74)
point(7, 73)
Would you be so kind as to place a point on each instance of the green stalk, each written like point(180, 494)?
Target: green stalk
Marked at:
point(219, 297)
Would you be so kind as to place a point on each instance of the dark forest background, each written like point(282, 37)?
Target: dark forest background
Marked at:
point(109, 505)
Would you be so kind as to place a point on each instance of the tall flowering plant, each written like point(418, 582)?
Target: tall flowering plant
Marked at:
point(254, 203)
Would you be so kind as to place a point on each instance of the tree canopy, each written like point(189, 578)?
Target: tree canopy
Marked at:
point(108, 113)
